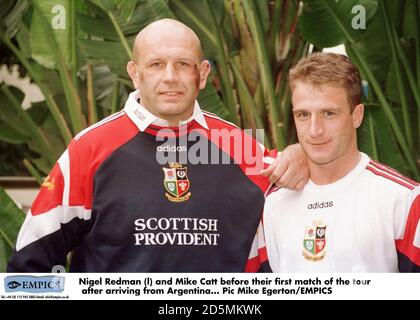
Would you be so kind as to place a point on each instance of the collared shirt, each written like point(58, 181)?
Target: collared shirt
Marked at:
point(144, 118)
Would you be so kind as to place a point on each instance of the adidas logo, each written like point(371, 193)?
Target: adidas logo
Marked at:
point(321, 205)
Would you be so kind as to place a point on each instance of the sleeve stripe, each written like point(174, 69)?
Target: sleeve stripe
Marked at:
point(258, 254)
point(262, 253)
point(410, 244)
point(39, 226)
point(253, 265)
point(389, 177)
point(392, 171)
point(64, 163)
point(416, 240)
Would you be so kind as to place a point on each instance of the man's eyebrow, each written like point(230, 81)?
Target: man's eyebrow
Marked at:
point(330, 109)
point(298, 109)
point(322, 109)
point(189, 59)
point(147, 60)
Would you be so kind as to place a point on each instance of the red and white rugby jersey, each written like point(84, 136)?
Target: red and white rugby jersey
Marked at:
point(118, 209)
point(367, 221)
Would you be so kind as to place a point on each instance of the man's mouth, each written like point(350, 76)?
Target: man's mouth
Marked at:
point(170, 93)
point(318, 143)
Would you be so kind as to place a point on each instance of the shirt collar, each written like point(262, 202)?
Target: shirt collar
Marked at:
point(144, 118)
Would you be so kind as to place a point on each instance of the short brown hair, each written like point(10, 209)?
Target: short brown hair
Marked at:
point(333, 69)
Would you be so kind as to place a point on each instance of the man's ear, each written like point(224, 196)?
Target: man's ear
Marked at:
point(358, 113)
point(205, 69)
point(133, 73)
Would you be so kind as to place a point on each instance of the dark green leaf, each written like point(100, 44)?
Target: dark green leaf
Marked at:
point(375, 138)
point(11, 219)
point(209, 100)
point(105, 52)
point(56, 13)
point(14, 17)
point(10, 135)
point(96, 27)
point(328, 23)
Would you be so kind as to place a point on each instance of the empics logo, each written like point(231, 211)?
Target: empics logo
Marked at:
point(33, 284)
point(321, 205)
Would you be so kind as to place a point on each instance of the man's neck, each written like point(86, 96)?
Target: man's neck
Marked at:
point(335, 170)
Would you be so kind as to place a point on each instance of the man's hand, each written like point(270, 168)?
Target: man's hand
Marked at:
point(290, 169)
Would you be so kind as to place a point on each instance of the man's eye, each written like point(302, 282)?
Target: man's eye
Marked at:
point(156, 64)
point(303, 115)
point(329, 114)
point(183, 64)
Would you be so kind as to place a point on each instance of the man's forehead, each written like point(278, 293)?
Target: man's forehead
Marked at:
point(168, 34)
point(159, 51)
point(315, 97)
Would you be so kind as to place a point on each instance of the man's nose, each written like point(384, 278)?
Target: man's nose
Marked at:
point(317, 128)
point(170, 74)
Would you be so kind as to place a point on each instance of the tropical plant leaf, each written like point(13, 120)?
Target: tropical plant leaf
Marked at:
point(11, 219)
point(328, 23)
point(38, 111)
point(206, 19)
point(56, 13)
point(106, 53)
point(248, 66)
point(63, 56)
point(104, 81)
point(210, 100)
point(264, 14)
point(145, 13)
point(6, 7)
point(22, 38)
point(12, 127)
point(96, 27)
point(409, 19)
point(11, 135)
point(14, 15)
point(373, 45)
point(376, 139)
point(5, 253)
point(126, 8)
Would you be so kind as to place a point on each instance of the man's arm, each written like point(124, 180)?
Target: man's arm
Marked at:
point(257, 260)
point(53, 226)
point(290, 168)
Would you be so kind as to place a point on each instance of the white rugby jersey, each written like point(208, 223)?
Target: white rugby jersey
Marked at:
point(367, 221)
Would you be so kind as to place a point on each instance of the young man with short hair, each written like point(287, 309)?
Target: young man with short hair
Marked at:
point(355, 214)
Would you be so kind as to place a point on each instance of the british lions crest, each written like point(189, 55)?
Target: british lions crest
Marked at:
point(176, 183)
point(314, 241)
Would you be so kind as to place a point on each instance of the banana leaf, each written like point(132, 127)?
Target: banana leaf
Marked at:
point(11, 219)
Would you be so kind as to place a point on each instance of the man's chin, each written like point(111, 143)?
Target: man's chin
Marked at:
point(175, 113)
point(320, 159)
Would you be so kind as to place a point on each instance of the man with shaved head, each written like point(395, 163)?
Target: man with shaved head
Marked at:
point(155, 187)
point(168, 69)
